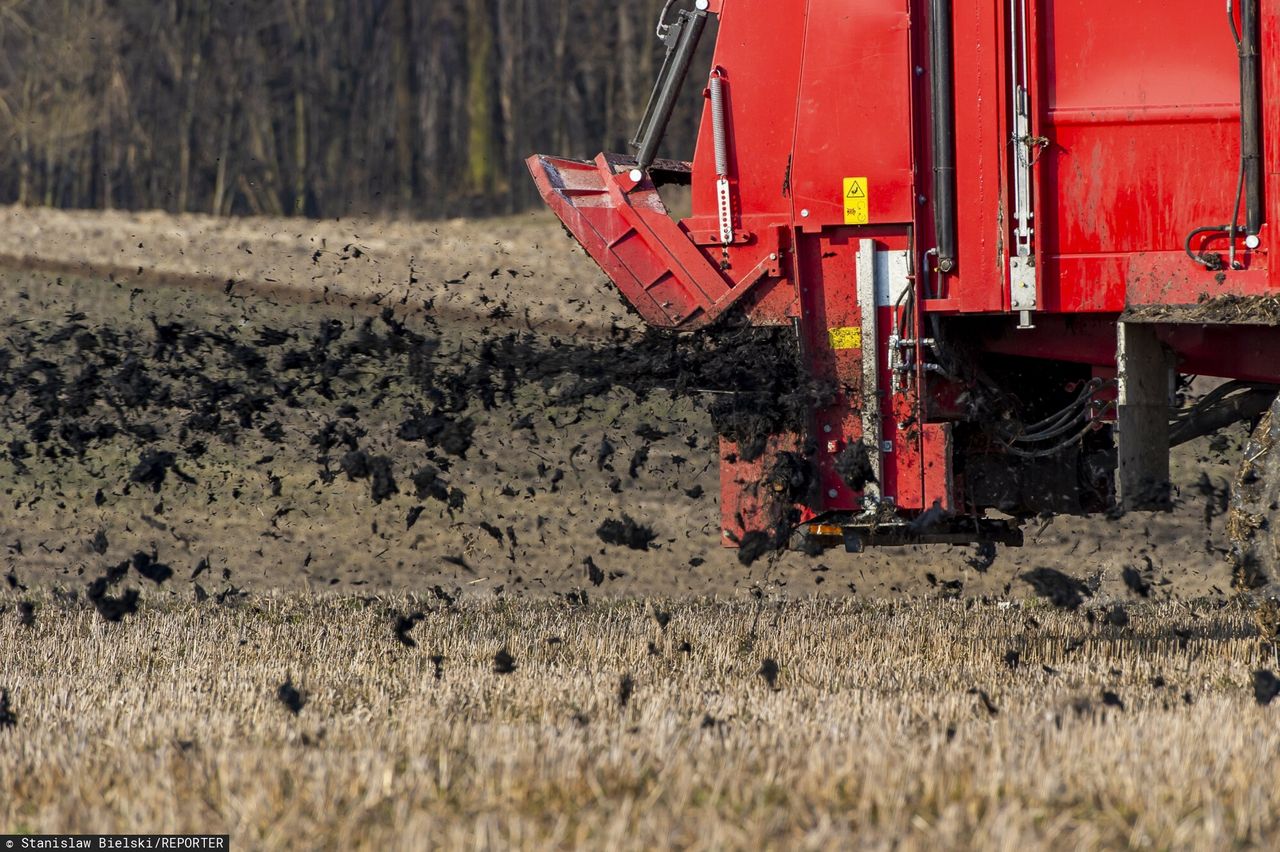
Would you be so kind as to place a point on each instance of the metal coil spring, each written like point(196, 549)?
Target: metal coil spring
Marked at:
point(718, 125)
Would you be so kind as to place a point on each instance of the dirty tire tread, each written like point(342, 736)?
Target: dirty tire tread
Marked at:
point(1254, 522)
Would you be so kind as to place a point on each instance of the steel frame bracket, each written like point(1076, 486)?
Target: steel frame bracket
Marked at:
point(1146, 371)
point(868, 301)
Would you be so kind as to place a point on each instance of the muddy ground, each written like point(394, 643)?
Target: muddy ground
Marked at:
point(442, 408)
point(1234, 310)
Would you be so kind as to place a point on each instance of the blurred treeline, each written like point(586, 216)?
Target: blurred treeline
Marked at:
point(315, 107)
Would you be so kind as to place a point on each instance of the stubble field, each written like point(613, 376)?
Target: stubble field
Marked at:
point(908, 724)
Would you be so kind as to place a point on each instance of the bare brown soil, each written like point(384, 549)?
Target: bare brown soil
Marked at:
point(259, 514)
point(450, 264)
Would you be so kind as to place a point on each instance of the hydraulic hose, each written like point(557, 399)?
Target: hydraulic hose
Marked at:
point(1249, 182)
point(942, 103)
point(1251, 115)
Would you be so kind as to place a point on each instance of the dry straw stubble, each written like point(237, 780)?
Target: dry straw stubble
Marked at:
point(170, 722)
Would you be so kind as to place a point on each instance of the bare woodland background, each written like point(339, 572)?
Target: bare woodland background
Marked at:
point(315, 107)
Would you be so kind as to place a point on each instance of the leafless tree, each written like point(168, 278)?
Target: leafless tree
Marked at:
point(314, 107)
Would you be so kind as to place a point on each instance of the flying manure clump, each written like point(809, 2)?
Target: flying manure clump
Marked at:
point(112, 608)
point(288, 695)
point(1266, 686)
point(8, 719)
point(503, 662)
point(626, 533)
point(769, 671)
point(1061, 590)
point(403, 625)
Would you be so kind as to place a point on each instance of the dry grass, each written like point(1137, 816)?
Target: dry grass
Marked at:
point(169, 722)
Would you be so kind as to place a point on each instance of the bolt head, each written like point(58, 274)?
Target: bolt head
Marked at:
point(1252, 241)
point(833, 493)
point(702, 5)
point(804, 214)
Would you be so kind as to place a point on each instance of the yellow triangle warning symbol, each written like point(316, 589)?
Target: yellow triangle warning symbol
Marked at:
point(857, 201)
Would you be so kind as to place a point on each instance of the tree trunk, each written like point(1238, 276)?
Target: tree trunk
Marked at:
point(402, 59)
point(24, 150)
point(185, 130)
point(224, 154)
point(299, 154)
point(480, 98)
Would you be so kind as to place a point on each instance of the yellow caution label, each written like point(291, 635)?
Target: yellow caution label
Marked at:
point(856, 201)
point(848, 337)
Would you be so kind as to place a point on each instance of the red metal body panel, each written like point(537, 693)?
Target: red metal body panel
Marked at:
point(845, 130)
point(827, 302)
point(1144, 129)
point(939, 473)
point(743, 506)
point(761, 113)
point(982, 146)
point(1249, 352)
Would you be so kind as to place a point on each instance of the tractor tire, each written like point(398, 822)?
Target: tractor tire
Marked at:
point(1254, 519)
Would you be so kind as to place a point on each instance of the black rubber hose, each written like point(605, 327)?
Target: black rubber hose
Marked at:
point(1251, 115)
point(942, 103)
point(1209, 261)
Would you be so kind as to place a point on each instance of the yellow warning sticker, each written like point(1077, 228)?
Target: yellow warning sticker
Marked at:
point(848, 337)
point(856, 201)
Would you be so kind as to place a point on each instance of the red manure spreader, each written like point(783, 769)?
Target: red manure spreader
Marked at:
point(1003, 232)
